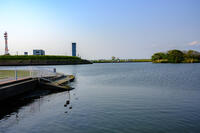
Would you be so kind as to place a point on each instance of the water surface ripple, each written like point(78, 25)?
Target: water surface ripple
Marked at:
point(117, 98)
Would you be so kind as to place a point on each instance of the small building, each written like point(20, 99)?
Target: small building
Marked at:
point(73, 49)
point(38, 52)
point(25, 53)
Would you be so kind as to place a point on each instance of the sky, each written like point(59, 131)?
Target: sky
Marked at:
point(131, 29)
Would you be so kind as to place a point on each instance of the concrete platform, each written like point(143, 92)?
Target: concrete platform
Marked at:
point(13, 88)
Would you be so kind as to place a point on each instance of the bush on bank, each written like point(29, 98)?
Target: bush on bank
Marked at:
point(177, 56)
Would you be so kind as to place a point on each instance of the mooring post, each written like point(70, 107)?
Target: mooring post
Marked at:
point(54, 70)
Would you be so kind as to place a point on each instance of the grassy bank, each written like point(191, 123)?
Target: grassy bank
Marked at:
point(38, 57)
point(121, 61)
point(40, 60)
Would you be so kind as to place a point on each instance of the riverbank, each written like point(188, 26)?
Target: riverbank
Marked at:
point(121, 61)
point(22, 60)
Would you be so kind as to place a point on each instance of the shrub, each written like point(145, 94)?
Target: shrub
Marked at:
point(159, 56)
point(175, 56)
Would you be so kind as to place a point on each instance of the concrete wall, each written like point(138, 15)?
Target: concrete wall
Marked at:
point(14, 89)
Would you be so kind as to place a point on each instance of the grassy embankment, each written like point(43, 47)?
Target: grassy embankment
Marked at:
point(38, 57)
point(121, 61)
point(41, 60)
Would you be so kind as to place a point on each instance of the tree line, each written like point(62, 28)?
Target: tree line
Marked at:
point(176, 56)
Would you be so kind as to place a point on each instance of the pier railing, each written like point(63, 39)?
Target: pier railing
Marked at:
point(16, 73)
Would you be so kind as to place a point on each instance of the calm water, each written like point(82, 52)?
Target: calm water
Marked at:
point(117, 98)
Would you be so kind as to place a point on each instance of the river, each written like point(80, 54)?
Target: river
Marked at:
point(116, 98)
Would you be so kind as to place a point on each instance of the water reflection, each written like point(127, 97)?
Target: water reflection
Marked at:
point(68, 104)
point(11, 106)
point(68, 99)
point(29, 104)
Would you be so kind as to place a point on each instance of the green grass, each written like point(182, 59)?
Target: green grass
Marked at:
point(122, 60)
point(11, 73)
point(138, 60)
point(38, 57)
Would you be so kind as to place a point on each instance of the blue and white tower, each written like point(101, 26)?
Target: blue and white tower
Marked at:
point(73, 49)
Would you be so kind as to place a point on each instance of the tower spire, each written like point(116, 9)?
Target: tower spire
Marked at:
point(6, 43)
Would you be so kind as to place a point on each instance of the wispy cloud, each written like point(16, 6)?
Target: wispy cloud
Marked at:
point(194, 43)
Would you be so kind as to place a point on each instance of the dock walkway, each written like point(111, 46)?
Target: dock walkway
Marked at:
point(52, 81)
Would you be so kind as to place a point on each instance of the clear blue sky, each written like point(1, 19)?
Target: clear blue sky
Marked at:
point(101, 28)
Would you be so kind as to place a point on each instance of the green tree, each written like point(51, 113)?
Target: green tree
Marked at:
point(175, 56)
point(113, 58)
point(193, 54)
point(158, 56)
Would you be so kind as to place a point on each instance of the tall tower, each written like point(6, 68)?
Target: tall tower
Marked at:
point(73, 49)
point(6, 43)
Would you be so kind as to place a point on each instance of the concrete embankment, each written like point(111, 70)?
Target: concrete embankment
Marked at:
point(11, 89)
point(14, 88)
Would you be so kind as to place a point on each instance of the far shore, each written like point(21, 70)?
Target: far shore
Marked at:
point(121, 61)
point(24, 60)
